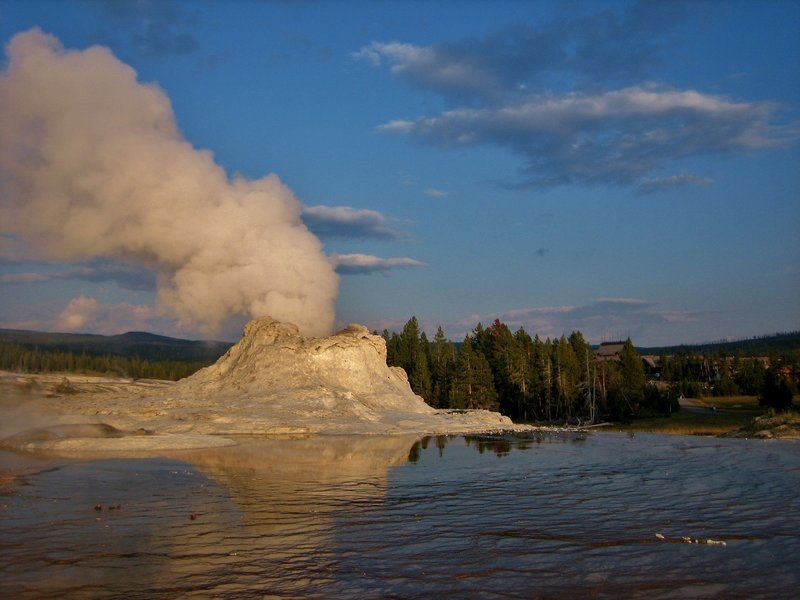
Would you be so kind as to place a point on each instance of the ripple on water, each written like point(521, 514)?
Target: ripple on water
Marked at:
point(491, 516)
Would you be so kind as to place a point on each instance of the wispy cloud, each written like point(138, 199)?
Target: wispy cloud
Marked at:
point(87, 314)
point(649, 186)
point(364, 264)
point(605, 48)
point(616, 137)
point(348, 222)
point(126, 276)
point(603, 318)
point(574, 98)
point(435, 193)
point(157, 28)
point(580, 51)
point(24, 278)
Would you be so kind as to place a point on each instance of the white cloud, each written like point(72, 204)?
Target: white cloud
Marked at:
point(404, 58)
point(87, 315)
point(435, 193)
point(611, 47)
point(362, 264)
point(573, 98)
point(345, 221)
point(607, 137)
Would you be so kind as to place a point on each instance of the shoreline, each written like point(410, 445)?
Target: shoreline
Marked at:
point(78, 414)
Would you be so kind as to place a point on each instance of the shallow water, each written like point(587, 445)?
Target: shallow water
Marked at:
point(545, 515)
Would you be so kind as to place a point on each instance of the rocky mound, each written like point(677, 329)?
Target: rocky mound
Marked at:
point(275, 381)
point(771, 426)
point(272, 361)
point(272, 382)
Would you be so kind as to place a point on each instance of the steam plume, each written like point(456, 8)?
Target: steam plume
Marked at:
point(92, 164)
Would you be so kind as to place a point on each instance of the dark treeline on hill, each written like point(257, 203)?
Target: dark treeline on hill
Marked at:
point(565, 380)
point(781, 344)
point(146, 346)
point(134, 354)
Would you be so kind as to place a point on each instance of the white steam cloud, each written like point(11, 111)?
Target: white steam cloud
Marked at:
point(92, 164)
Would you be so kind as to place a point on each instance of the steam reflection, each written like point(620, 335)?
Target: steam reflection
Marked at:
point(257, 516)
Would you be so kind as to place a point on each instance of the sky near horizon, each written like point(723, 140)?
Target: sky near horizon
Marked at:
point(626, 169)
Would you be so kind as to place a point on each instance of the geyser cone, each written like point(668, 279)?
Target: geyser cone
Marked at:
point(346, 371)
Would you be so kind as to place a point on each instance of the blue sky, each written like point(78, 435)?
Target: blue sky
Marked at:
point(618, 168)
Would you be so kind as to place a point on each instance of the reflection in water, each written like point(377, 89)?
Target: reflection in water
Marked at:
point(289, 493)
point(249, 519)
point(601, 515)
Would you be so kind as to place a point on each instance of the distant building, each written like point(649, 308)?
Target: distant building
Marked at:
point(652, 366)
point(609, 351)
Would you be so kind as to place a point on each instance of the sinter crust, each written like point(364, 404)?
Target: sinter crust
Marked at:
point(272, 382)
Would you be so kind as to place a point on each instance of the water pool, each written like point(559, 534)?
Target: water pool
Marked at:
point(545, 515)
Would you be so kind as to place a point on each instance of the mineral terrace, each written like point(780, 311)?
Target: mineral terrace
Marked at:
point(272, 382)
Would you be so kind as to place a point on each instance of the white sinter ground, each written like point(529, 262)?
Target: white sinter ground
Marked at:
point(273, 381)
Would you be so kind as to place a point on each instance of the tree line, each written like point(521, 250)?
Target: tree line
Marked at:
point(524, 377)
point(21, 359)
point(560, 380)
point(773, 378)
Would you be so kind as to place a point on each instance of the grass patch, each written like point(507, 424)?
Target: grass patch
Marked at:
point(688, 423)
point(733, 413)
point(735, 403)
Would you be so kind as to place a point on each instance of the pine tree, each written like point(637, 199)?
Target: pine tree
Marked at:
point(408, 345)
point(567, 378)
point(443, 365)
point(474, 386)
point(393, 351)
point(776, 392)
point(632, 371)
point(420, 377)
point(497, 344)
point(522, 375)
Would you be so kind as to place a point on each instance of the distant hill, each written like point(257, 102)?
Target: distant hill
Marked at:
point(758, 346)
point(151, 347)
point(134, 344)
